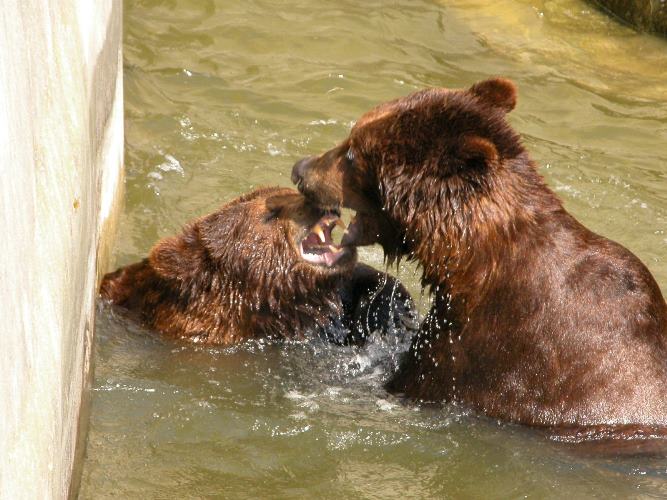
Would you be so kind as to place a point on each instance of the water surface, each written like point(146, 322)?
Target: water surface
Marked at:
point(222, 97)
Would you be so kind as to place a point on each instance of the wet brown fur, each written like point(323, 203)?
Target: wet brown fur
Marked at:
point(236, 274)
point(535, 319)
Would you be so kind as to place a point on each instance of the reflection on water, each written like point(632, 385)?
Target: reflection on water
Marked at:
point(224, 96)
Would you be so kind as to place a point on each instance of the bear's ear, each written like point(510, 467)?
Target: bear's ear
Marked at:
point(475, 150)
point(496, 92)
point(177, 257)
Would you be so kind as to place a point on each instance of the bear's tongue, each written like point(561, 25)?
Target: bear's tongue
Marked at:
point(318, 246)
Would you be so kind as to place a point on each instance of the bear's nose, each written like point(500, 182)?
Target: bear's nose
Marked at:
point(299, 169)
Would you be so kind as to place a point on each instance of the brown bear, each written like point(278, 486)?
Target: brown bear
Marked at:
point(536, 319)
point(262, 266)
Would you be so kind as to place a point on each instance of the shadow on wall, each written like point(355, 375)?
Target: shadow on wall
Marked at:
point(644, 15)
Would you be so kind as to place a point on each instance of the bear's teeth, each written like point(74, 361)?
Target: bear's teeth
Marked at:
point(320, 233)
point(335, 249)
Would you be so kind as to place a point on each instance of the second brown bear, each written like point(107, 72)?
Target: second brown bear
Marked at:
point(262, 266)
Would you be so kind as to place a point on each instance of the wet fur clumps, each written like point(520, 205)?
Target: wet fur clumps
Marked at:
point(239, 273)
point(536, 319)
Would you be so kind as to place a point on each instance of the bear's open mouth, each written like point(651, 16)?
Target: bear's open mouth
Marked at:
point(318, 246)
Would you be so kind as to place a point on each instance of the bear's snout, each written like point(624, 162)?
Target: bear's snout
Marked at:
point(299, 170)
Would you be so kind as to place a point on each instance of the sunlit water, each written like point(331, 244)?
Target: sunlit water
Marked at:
point(224, 96)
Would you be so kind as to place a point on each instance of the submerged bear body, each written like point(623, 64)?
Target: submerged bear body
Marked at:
point(536, 319)
point(263, 266)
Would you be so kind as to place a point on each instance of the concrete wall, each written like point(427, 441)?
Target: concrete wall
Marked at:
point(61, 143)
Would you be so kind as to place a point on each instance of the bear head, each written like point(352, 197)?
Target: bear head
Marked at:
point(407, 160)
point(261, 249)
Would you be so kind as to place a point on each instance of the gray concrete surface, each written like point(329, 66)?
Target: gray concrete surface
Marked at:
point(61, 153)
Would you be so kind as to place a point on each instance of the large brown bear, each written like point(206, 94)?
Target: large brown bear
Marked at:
point(535, 319)
point(262, 266)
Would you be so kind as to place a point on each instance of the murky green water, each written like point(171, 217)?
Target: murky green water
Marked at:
point(225, 96)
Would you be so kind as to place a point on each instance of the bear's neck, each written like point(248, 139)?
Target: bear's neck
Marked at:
point(463, 239)
point(283, 307)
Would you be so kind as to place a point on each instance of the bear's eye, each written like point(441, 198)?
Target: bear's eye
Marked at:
point(350, 155)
